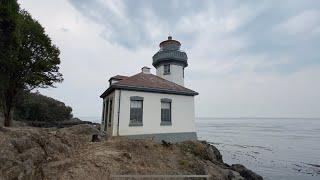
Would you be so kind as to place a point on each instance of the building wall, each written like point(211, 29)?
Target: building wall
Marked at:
point(115, 113)
point(105, 115)
point(176, 74)
point(182, 116)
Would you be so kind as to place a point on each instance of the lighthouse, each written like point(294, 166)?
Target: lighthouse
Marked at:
point(170, 61)
point(146, 105)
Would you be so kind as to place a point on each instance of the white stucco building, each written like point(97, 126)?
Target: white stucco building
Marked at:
point(148, 105)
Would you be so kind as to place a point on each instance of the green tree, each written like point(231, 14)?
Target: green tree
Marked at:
point(37, 107)
point(28, 59)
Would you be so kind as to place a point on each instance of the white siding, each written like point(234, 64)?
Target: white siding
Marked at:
point(183, 116)
point(115, 113)
point(176, 74)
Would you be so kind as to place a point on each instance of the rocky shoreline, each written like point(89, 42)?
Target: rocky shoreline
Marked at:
point(68, 153)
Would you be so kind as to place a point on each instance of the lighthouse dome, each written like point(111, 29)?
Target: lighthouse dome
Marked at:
point(170, 53)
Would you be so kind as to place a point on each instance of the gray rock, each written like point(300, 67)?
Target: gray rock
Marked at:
point(96, 138)
point(246, 173)
point(212, 152)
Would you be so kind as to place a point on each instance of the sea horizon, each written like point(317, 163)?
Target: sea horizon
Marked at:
point(97, 119)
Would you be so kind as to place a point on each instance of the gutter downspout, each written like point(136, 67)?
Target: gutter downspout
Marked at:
point(119, 100)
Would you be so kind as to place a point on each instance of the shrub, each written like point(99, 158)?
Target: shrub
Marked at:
point(37, 107)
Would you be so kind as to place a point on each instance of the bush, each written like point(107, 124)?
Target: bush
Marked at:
point(37, 107)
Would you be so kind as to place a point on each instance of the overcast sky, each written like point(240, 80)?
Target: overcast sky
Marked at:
point(246, 58)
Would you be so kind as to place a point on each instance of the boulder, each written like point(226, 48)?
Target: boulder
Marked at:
point(95, 138)
point(246, 173)
point(213, 152)
point(203, 150)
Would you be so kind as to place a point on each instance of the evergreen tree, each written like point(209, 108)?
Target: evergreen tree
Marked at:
point(28, 59)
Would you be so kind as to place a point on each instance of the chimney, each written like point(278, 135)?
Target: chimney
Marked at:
point(145, 70)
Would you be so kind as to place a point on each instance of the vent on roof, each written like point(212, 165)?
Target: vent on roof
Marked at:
point(145, 70)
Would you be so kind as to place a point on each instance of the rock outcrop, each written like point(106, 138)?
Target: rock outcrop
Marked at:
point(68, 153)
point(246, 173)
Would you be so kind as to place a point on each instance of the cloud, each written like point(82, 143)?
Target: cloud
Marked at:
point(301, 24)
point(260, 95)
point(215, 30)
point(64, 29)
point(133, 24)
point(246, 58)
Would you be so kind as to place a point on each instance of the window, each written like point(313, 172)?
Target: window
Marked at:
point(183, 73)
point(136, 111)
point(110, 113)
point(165, 111)
point(105, 113)
point(166, 69)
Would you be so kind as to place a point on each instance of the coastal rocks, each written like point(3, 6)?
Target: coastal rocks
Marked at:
point(217, 172)
point(212, 152)
point(203, 150)
point(30, 153)
point(68, 153)
point(246, 173)
point(217, 168)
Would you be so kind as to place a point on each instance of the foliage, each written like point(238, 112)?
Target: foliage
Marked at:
point(28, 59)
point(37, 107)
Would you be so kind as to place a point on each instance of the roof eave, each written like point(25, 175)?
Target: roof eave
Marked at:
point(156, 90)
point(107, 92)
point(145, 89)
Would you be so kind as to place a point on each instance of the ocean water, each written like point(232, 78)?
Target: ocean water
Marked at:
point(274, 148)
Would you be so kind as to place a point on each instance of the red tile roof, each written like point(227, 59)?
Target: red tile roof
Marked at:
point(149, 83)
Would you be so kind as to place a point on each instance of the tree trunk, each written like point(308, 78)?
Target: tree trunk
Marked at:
point(7, 118)
point(7, 109)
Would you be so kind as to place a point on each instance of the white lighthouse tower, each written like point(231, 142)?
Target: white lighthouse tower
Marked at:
point(170, 61)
